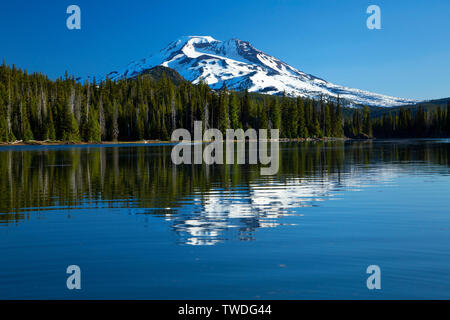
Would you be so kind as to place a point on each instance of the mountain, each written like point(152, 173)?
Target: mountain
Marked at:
point(238, 65)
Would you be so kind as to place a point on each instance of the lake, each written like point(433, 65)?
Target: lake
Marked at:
point(140, 227)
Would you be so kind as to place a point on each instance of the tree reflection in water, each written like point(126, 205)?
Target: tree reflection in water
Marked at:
point(205, 204)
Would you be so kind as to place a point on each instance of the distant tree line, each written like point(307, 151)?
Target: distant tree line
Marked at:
point(421, 124)
point(33, 107)
point(406, 123)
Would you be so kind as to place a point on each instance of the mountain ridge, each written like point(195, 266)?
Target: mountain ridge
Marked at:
point(238, 65)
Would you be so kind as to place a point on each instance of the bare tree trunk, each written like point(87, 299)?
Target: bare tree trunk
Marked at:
point(78, 106)
point(8, 115)
point(173, 112)
point(44, 103)
point(21, 118)
point(88, 101)
point(72, 101)
point(206, 116)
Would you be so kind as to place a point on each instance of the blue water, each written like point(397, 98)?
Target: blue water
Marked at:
point(141, 228)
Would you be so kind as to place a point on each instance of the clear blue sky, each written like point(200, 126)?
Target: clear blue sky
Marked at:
point(409, 57)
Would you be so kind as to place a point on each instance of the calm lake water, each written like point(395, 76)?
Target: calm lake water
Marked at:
point(141, 228)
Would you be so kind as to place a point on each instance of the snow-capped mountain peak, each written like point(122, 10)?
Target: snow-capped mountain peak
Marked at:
point(238, 65)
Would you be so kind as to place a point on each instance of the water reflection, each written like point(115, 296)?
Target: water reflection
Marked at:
point(203, 204)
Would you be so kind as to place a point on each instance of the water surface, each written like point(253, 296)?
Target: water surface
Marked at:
point(141, 228)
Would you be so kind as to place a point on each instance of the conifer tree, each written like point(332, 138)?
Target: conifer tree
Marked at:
point(93, 130)
point(115, 122)
point(50, 129)
point(275, 115)
point(338, 130)
point(101, 118)
point(316, 129)
point(262, 116)
point(327, 127)
point(245, 113)
point(367, 125)
point(4, 137)
point(4, 134)
point(302, 128)
point(309, 117)
point(293, 119)
point(26, 133)
point(164, 133)
point(223, 110)
point(234, 111)
point(69, 126)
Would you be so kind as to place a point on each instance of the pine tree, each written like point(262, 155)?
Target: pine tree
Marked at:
point(234, 112)
point(293, 119)
point(262, 116)
point(51, 133)
point(93, 131)
point(338, 123)
point(327, 127)
point(70, 131)
point(245, 113)
point(309, 117)
point(115, 122)
point(164, 134)
point(223, 110)
point(4, 137)
point(316, 129)
point(140, 125)
point(4, 132)
point(275, 115)
point(367, 125)
point(302, 129)
point(286, 113)
point(26, 133)
point(101, 119)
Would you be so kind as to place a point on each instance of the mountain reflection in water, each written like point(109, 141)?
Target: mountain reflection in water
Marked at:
point(204, 204)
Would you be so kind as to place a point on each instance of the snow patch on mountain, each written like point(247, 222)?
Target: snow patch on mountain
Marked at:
point(238, 65)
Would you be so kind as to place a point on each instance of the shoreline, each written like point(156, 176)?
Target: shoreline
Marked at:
point(64, 143)
point(72, 143)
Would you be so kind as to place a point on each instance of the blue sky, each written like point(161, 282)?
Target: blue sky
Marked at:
point(409, 57)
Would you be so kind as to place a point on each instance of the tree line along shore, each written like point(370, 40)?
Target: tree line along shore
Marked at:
point(37, 110)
